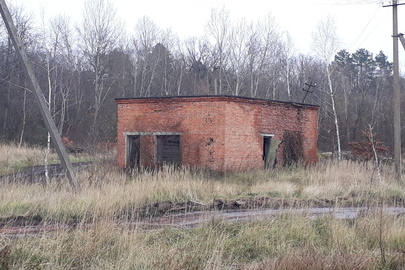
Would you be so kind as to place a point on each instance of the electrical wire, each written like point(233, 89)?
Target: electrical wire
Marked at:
point(359, 36)
point(372, 31)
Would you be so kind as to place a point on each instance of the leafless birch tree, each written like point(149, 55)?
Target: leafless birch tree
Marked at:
point(325, 46)
point(217, 29)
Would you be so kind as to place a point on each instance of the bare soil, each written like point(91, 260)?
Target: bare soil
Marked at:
point(193, 214)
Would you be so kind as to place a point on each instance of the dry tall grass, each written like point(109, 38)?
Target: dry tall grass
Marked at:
point(290, 241)
point(107, 190)
point(287, 242)
point(14, 158)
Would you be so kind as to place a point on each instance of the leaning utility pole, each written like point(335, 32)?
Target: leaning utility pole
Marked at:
point(29, 72)
point(397, 92)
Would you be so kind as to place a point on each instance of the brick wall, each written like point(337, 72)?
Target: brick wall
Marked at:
point(218, 133)
point(201, 125)
point(246, 120)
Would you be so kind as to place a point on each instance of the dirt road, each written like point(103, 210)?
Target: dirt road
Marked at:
point(35, 227)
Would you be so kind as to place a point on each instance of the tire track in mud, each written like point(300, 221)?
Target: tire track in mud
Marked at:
point(188, 220)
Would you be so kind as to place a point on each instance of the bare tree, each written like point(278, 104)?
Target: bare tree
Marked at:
point(325, 45)
point(99, 33)
point(198, 60)
point(57, 50)
point(146, 36)
point(288, 53)
point(239, 38)
point(180, 65)
point(155, 70)
point(265, 58)
point(217, 30)
point(65, 55)
point(24, 25)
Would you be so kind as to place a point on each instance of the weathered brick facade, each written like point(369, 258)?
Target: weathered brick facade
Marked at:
point(220, 133)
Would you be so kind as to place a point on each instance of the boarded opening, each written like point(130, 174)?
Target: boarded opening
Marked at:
point(133, 152)
point(293, 150)
point(270, 146)
point(168, 150)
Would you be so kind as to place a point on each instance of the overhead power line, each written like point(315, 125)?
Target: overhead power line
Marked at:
point(362, 36)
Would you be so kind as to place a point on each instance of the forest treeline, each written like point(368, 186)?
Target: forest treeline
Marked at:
point(82, 66)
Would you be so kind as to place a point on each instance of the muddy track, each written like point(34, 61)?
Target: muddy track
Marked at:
point(191, 215)
point(183, 215)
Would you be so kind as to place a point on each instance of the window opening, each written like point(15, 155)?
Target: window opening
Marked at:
point(168, 150)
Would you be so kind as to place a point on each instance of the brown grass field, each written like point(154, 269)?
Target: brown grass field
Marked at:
point(102, 236)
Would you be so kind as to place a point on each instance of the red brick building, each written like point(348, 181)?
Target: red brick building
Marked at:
point(220, 133)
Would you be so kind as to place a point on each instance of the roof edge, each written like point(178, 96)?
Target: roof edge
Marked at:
point(121, 100)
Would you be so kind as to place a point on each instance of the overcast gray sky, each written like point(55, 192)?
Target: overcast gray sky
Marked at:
point(361, 23)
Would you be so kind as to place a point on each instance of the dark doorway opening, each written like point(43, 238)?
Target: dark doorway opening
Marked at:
point(293, 150)
point(270, 146)
point(168, 150)
point(133, 152)
point(266, 150)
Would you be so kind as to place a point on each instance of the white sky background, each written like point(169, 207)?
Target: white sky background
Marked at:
point(360, 23)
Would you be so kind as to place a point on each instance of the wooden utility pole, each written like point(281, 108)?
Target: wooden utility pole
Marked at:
point(39, 97)
point(397, 92)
